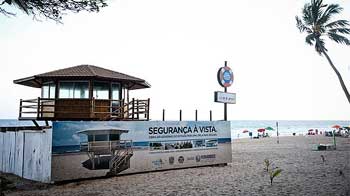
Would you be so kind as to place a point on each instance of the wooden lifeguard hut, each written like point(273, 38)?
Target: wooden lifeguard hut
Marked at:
point(84, 92)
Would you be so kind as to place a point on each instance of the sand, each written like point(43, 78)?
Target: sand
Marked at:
point(304, 173)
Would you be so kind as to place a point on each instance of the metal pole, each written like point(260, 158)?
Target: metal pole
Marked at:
point(196, 115)
point(210, 116)
point(180, 115)
point(20, 108)
point(163, 114)
point(225, 104)
point(335, 145)
point(278, 139)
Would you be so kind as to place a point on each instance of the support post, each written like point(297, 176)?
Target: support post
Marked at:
point(127, 91)
point(36, 124)
point(38, 109)
point(93, 107)
point(278, 139)
point(210, 116)
point(137, 109)
point(225, 108)
point(20, 108)
point(148, 102)
point(180, 115)
point(163, 114)
point(133, 108)
point(225, 104)
point(334, 143)
point(196, 115)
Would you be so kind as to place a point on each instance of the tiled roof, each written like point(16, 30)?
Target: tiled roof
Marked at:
point(83, 71)
point(88, 71)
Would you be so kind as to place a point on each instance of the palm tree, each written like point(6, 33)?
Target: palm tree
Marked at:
point(316, 22)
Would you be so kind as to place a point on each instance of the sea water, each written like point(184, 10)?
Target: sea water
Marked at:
point(285, 127)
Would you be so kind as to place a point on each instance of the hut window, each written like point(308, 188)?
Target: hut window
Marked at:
point(115, 91)
point(101, 90)
point(101, 138)
point(74, 90)
point(48, 90)
point(114, 137)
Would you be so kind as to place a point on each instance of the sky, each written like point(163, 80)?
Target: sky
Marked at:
point(178, 46)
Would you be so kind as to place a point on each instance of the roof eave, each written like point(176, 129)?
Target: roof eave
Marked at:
point(28, 81)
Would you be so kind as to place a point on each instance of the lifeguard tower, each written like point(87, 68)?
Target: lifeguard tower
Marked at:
point(84, 92)
point(106, 150)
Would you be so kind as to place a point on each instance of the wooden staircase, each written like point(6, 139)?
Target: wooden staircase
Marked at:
point(120, 161)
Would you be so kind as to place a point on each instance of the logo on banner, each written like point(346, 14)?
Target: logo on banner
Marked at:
point(181, 159)
point(198, 158)
point(171, 160)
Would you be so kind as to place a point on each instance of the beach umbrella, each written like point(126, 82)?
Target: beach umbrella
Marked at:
point(336, 126)
point(269, 128)
point(245, 131)
point(261, 130)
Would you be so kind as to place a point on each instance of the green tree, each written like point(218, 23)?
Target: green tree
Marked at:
point(51, 9)
point(316, 22)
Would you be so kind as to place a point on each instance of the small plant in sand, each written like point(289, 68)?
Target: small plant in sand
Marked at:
point(271, 170)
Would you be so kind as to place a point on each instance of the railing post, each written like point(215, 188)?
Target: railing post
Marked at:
point(121, 110)
point(127, 109)
point(210, 116)
point(180, 115)
point(133, 108)
point(147, 112)
point(196, 115)
point(20, 108)
point(137, 109)
point(92, 107)
point(38, 109)
point(163, 114)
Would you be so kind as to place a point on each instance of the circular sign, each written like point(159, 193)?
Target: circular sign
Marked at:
point(225, 76)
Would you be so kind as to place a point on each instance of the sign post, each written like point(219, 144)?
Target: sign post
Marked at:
point(225, 79)
point(278, 139)
point(225, 104)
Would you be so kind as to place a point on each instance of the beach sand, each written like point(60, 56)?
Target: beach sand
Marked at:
point(304, 173)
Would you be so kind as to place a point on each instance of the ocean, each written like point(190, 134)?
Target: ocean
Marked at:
point(285, 127)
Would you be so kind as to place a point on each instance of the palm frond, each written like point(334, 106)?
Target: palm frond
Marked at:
point(330, 11)
point(310, 38)
point(307, 15)
point(21, 4)
point(338, 23)
point(340, 30)
point(320, 46)
point(316, 10)
point(338, 38)
point(301, 26)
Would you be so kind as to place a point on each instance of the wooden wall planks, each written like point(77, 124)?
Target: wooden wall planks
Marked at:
point(27, 154)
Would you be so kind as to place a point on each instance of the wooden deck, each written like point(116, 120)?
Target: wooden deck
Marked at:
point(83, 109)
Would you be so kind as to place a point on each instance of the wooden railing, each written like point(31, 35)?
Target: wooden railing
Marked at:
point(51, 109)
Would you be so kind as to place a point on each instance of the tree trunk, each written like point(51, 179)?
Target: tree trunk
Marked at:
point(339, 76)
